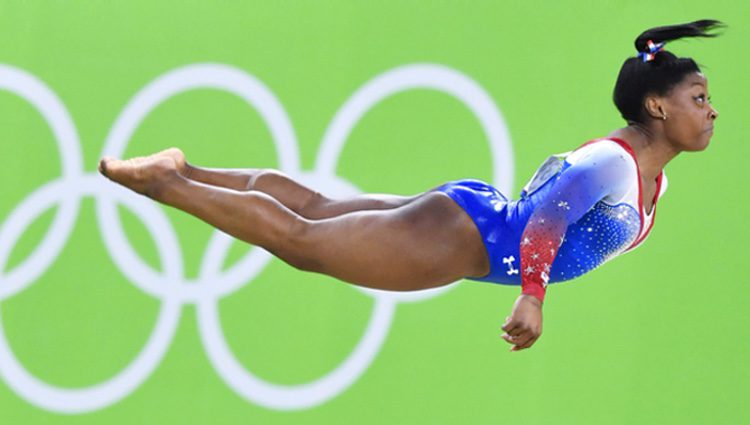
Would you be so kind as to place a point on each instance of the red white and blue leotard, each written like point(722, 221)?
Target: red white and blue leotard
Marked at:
point(581, 209)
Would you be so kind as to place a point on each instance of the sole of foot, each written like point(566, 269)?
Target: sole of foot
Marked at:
point(144, 175)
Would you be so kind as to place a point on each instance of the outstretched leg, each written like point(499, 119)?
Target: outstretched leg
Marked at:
point(426, 243)
point(295, 196)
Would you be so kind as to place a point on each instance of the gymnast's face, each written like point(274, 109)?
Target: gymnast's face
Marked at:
point(690, 116)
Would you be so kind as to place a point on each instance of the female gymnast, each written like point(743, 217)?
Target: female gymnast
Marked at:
point(579, 210)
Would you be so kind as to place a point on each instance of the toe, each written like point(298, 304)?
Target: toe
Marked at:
point(103, 165)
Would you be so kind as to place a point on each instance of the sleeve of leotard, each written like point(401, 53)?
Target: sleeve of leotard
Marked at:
point(593, 177)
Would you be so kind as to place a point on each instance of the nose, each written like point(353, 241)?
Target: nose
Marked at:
point(713, 114)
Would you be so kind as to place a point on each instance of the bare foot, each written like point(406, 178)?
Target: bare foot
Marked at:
point(145, 175)
point(178, 157)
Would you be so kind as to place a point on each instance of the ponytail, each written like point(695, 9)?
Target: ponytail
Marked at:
point(676, 32)
point(655, 70)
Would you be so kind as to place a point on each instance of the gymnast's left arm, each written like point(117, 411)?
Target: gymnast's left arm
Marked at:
point(575, 192)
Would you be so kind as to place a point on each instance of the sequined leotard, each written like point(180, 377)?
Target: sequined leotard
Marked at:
point(581, 209)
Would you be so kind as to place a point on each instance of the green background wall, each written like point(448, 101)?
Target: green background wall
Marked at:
point(657, 336)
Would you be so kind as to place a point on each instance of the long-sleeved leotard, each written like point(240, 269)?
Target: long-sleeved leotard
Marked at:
point(580, 209)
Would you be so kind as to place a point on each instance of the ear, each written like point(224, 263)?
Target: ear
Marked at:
point(655, 107)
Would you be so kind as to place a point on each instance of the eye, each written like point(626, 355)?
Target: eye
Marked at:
point(701, 99)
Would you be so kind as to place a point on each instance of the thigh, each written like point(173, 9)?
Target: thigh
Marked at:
point(425, 243)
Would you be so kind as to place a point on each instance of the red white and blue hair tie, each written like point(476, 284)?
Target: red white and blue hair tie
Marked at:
point(653, 49)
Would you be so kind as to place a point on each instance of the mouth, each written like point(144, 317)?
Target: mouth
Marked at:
point(710, 129)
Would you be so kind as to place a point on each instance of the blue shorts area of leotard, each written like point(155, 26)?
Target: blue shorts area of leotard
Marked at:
point(588, 242)
point(488, 208)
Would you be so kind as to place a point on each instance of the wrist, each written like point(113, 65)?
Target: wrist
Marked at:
point(533, 298)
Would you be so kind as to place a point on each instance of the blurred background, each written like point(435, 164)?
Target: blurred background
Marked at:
point(115, 310)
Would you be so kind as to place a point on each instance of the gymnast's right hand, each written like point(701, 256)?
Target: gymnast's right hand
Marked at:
point(524, 326)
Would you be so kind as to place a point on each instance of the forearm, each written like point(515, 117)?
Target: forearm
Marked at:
point(541, 240)
point(539, 245)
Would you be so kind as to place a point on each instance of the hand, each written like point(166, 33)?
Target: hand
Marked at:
point(524, 326)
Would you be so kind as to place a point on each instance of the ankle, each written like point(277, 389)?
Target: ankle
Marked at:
point(160, 189)
point(187, 171)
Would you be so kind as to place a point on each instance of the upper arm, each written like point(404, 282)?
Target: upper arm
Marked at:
point(591, 175)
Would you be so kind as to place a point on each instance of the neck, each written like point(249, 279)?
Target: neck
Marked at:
point(651, 147)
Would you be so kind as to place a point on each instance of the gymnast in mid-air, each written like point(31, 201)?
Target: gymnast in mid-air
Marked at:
point(579, 210)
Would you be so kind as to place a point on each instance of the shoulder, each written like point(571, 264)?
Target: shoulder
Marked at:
point(608, 164)
point(606, 158)
point(603, 153)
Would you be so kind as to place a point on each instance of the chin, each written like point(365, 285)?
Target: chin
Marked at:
point(702, 145)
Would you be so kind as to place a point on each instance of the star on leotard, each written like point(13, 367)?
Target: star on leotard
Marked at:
point(529, 270)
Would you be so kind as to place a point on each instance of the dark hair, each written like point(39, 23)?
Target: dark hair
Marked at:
point(658, 76)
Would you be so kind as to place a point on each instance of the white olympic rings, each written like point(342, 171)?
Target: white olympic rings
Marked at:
point(170, 285)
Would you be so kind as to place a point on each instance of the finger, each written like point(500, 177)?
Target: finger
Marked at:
point(528, 344)
point(508, 325)
point(532, 342)
point(509, 339)
point(523, 339)
point(516, 331)
point(517, 348)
